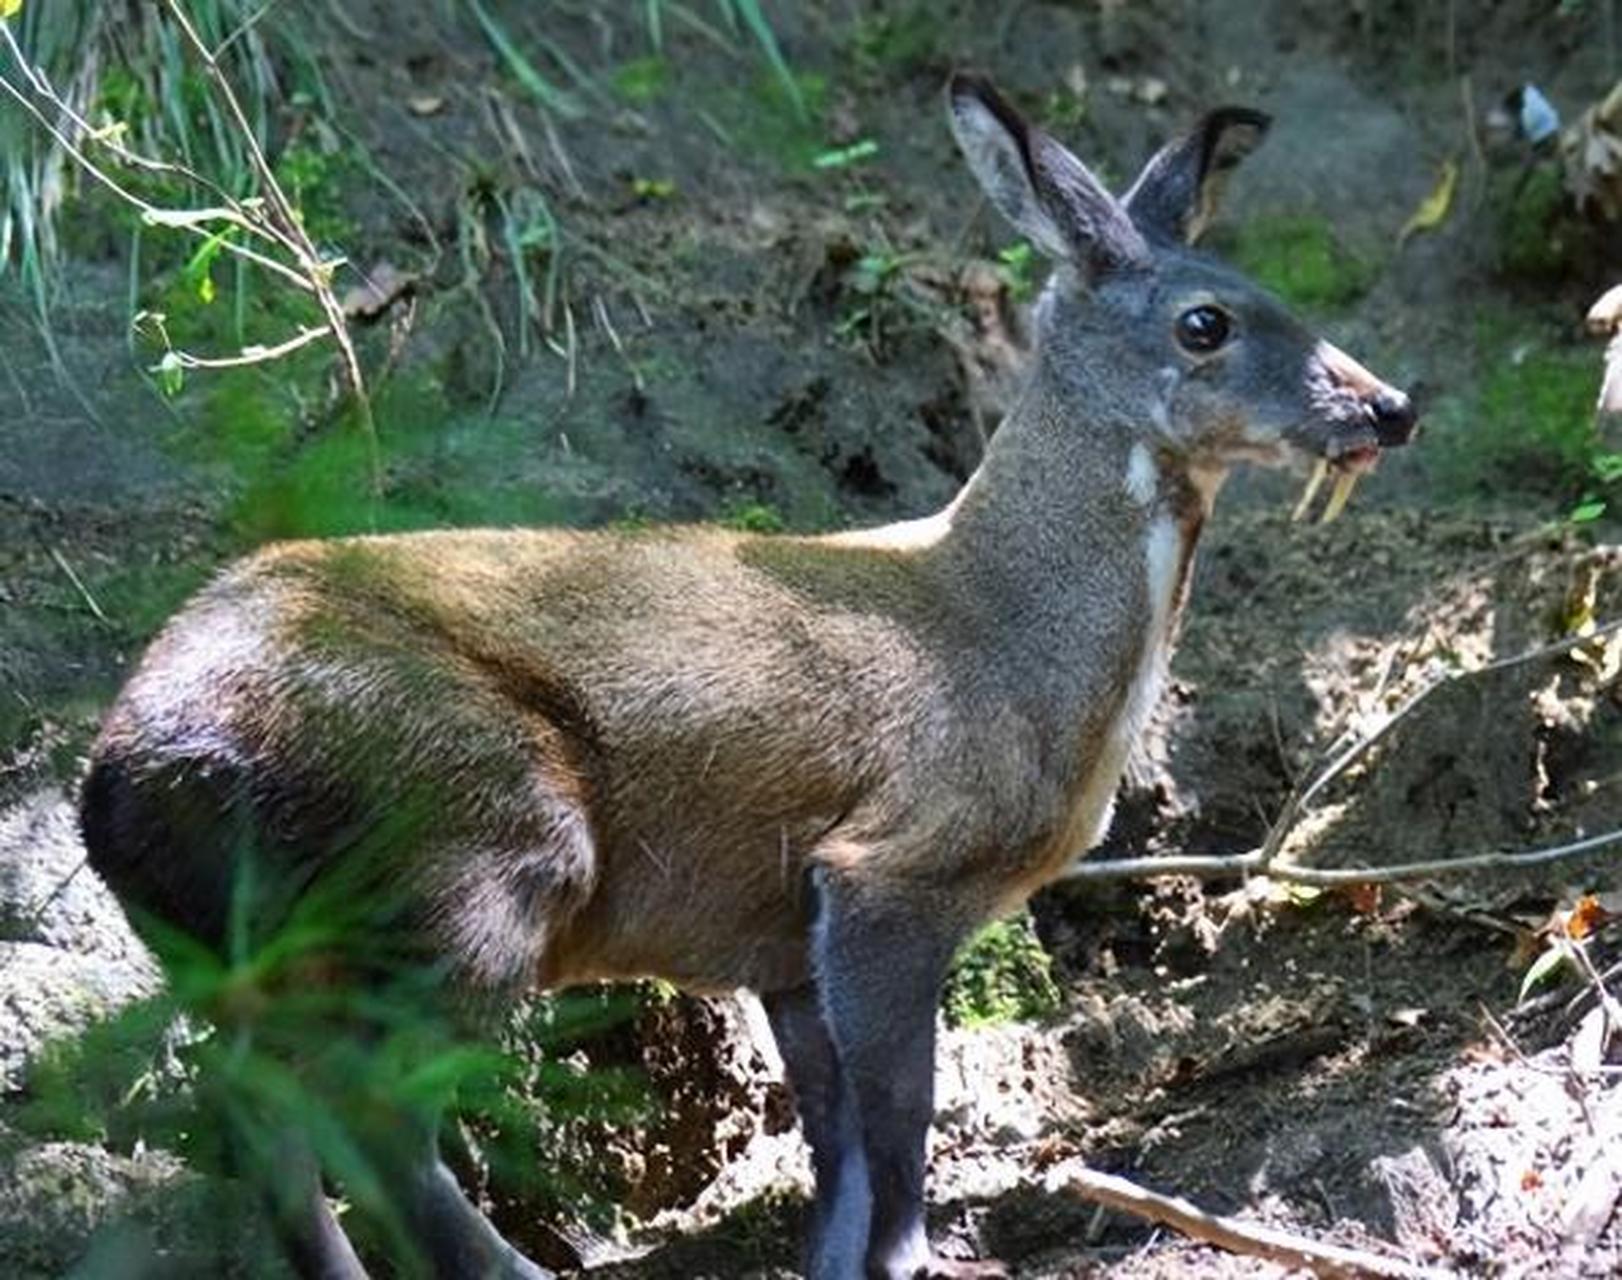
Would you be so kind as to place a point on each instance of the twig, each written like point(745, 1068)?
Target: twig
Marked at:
point(31, 919)
point(1261, 859)
point(1216, 866)
point(189, 220)
point(600, 311)
point(273, 220)
point(1607, 1002)
point(106, 137)
point(1472, 134)
point(84, 591)
point(245, 26)
point(254, 354)
point(1249, 1238)
point(287, 223)
point(1503, 1035)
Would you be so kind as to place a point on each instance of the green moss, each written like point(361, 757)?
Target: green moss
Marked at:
point(753, 517)
point(1528, 427)
point(440, 471)
point(906, 39)
point(239, 420)
point(1298, 258)
point(1527, 210)
point(315, 180)
point(762, 119)
point(1002, 974)
point(641, 80)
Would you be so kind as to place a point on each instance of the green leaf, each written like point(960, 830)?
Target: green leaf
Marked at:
point(199, 269)
point(1587, 510)
point(522, 69)
point(1607, 467)
point(844, 157)
point(1541, 970)
point(755, 20)
point(171, 374)
point(873, 271)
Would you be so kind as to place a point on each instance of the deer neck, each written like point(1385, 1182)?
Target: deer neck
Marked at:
point(1073, 544)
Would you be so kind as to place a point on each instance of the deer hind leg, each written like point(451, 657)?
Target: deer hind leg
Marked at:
point(880, 953)
point(309, 1234)
point(450, 1238)
point(493, 915)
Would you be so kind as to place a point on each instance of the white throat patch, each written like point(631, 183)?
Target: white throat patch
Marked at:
point(1142, 476)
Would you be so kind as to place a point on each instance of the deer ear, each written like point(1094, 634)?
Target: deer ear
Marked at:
point(1177, 192)
point(1039, 186)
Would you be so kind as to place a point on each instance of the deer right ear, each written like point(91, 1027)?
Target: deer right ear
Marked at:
point(1041, 188)
point(1177, 192)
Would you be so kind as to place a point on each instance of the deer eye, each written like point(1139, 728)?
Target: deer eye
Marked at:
point(1203, 329)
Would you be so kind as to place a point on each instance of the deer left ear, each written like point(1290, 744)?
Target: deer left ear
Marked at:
point(1177, 192)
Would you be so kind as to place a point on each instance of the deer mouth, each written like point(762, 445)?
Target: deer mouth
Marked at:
point(1364, 417)
point(1346, 462)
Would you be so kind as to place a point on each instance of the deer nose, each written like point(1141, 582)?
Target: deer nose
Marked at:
point(1394, 417)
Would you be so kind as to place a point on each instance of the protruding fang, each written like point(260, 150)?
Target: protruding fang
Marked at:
point(1313, 484)
point(1345, 482)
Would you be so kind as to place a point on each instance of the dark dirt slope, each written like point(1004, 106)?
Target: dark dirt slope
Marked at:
point(760, 340)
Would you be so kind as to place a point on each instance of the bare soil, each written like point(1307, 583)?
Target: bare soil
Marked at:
point(1353, 1065)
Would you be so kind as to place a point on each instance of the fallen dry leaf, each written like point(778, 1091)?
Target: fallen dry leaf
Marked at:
point(1433, 209)
point(1365, 899)
point(1585, 917)
point(379, 289)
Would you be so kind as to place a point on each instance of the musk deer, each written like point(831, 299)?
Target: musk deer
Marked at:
point(803, 765)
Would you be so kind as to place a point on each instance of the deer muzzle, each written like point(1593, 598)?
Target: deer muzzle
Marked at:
point(1365, 415)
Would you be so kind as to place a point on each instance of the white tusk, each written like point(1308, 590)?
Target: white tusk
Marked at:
point(1305, 505)
point(1345, 482)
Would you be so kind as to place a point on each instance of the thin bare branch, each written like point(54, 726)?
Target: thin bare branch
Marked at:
point(1608, 1002)
point(287, 221)
point(245, 26)
point(1262, 860)
point(1217, 866)
point(253, 354)
point(109, 139)
point(1495, 861)
point(79, 586)
point(170, 217)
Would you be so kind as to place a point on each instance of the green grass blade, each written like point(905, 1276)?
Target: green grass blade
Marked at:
point(522, 69)
point(697, 24)
point(755, 20)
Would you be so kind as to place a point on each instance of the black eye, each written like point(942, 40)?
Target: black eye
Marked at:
point(1203, 329)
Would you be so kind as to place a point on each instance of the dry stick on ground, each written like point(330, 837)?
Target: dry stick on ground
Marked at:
point(1253, 1239)
point(79, 586)
point(1262, 860)
point(1609, 1003)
